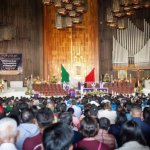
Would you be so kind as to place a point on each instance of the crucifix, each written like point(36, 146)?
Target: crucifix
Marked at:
point(138, 74)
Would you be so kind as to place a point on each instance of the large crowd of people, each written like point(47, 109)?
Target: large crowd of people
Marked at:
point(74, 123)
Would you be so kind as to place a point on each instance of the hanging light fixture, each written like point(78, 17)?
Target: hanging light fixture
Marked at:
point(69, 7)
point(136, 2)
point(130, 13)
point(146, 4)
point(62, 11)
point(69, 12)
point(122, 23)
point(83, 9)
point(47, 2)
point(109, 15)
point(77, 2)
point(120, 14)
point(127, 8)
point(67, 1)
point(69, 22)
point(78, 20)
point(126, 2)
point(58, 4)
point(112, 25)
point(116, 6)
point(60, 22)
point(73, 14)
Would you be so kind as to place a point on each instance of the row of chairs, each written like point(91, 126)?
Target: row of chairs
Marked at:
point(50, 90)
point(120, 88)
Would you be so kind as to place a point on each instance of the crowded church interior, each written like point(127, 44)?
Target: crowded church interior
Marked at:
point(75, 75)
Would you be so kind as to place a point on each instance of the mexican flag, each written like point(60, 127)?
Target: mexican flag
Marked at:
point(65, 77)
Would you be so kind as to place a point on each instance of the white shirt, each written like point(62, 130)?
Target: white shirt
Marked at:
point(77, 111)
point(111, 115)
point(133, 145)
point(8, 146)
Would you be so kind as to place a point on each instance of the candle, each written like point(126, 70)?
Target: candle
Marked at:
point(130, 75)
point(48, 77)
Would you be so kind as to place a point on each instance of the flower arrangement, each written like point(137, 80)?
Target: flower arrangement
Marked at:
point(139, 89)
point(53, 79)
point(39, 81)
point(1, 85)
point(95, 92)
point(145, 78)
point(121, 80)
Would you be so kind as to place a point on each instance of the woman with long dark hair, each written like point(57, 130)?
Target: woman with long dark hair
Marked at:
point(132, 137)
point(89, 129)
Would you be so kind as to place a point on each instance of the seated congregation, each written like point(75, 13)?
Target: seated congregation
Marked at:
point(69, 123)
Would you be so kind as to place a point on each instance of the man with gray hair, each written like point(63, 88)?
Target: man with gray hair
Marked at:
point(8, 134)
point(136, 114)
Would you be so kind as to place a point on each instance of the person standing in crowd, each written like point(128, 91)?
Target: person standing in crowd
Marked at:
point(75, 120)
point(44, 118)
point(108, 113)
point(8, 134)
point(27, 128)
point(88, 129)
point(132, 138)
point(136, 114)
point(103, 135)
point(66, 118)
point(115, 129)
point(51, 106)
point(77, 110)
point(58, 136)
point(127, 109)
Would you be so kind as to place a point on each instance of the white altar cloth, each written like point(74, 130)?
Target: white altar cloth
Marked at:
point(16, 84)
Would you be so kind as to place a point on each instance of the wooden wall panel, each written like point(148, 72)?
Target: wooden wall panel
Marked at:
point(106, 38)
point(27, 17)
point(58, 47)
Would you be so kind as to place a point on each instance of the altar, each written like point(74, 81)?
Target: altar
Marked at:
point(146, 84)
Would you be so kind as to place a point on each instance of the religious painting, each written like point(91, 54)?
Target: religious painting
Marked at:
point(78, 71)
point(122, 73)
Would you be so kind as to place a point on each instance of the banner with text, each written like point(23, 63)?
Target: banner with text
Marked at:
point(11, 64)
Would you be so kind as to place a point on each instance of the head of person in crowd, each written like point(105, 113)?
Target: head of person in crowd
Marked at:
point(51, 105)
point(104, 123)
point(88, 127)
point(22, 106)
point(101, 106)
point(58, 106)
point(71, 110)
point(58, 137)
point(34, 109)
point(146, 115)
point(63, 107)
point(136, 111)
point(119, 108)
point(44, 118)
point(132, 132)
point(8, 131)
point(128, 107)
point(66, 117)
point(93, 111)
point(27, 116)
point(108, 106)
point(74, 102)
point(121, 119)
